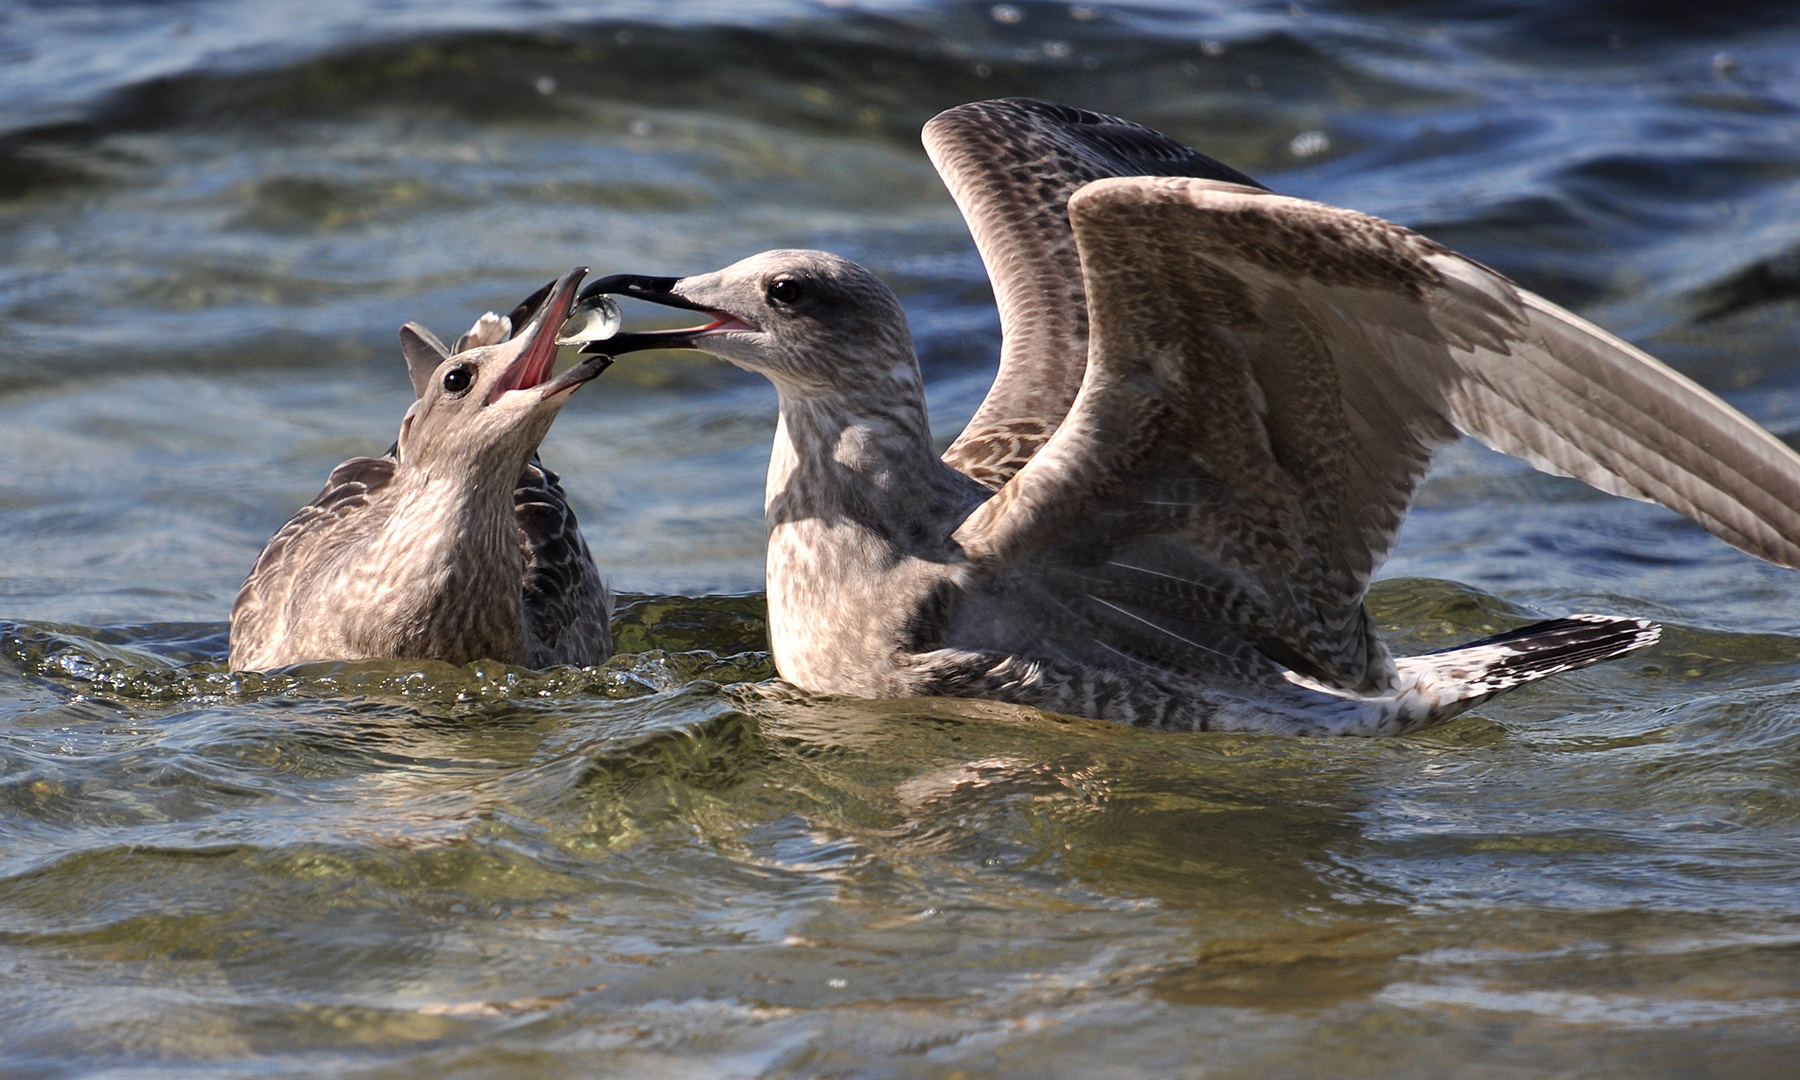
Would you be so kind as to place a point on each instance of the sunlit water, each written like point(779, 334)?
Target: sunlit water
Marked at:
point(214, 216)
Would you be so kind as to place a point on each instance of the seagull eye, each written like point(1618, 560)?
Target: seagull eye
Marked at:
point(458, 380)
point(784, 291)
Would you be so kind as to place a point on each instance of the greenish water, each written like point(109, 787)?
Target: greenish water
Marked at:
point(212, 218)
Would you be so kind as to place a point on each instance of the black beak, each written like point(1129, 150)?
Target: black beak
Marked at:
point(657, 290)
point(528, 307)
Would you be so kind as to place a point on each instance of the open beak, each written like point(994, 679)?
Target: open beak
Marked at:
point(583, 372)
point(540, 316)
point(657, 290)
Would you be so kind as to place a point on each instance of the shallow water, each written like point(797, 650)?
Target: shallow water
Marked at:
point(212, 218)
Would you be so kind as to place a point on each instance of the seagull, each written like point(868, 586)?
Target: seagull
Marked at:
point(458, 544)
point(1213, 409)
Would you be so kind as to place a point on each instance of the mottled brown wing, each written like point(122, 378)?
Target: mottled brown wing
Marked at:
point(1011, 164)
point(259, 614)
point(1268, 379)
point(567, 606)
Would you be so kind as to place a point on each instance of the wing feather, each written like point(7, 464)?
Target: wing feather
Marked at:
point(1289, 369)
point(261, 613)
point(567, 606)
point(1011, 165)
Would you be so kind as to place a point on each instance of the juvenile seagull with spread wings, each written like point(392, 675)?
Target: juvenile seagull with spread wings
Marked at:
point(457, 545)
point(1213, 408)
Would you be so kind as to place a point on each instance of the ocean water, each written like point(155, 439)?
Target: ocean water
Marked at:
point(213, 217)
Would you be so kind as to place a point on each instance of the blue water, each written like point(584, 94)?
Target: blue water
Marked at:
point(213, 216)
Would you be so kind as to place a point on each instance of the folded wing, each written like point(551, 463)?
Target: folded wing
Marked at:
point(567, 605)
point(286, 573)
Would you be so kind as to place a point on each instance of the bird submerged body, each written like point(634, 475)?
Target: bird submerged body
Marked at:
point(459, 544)
point(859, 513)
point(1213, 408)
point(871, 594)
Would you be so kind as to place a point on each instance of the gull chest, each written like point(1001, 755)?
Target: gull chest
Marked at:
point(839, 600)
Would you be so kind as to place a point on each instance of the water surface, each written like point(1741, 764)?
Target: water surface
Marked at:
point(213, 216)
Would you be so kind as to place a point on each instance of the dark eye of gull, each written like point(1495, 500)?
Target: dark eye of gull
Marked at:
point(458, 380)
point(784, 291)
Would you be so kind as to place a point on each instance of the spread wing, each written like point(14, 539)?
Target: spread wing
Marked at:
point(1011, 164)
point(567, 607)
point(285, 568)
point(1268, 379)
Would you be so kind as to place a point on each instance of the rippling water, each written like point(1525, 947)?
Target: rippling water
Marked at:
point(212, 218)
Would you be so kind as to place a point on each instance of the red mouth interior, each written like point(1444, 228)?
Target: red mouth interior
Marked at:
point(533, 365)
point(722, 323)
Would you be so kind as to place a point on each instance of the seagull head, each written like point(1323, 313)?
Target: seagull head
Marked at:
point(811, 321)
point(490, 401)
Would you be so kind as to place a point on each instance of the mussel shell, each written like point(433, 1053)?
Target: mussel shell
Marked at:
point(594, 319)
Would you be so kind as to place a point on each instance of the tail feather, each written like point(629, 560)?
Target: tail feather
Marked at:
point(1455, 679)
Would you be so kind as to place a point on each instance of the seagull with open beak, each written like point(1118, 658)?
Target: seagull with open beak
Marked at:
point(456, 545)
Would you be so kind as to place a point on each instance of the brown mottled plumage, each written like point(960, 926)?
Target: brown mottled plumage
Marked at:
point(458, 545)
point(1012, 165)
point(1213, 408)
